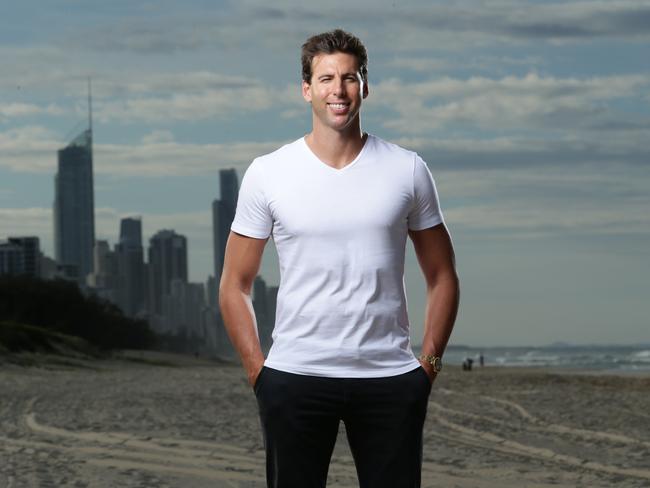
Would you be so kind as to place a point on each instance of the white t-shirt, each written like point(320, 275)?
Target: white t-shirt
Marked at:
point(340, 236)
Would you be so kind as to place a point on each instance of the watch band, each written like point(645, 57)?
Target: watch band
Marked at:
point(434, 361)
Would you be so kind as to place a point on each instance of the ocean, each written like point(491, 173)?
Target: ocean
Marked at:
point(622, 359)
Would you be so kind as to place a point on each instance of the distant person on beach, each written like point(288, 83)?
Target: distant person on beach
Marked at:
point(339, 204)
point(467, 364)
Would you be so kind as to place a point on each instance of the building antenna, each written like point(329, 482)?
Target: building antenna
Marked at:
point(90, 107)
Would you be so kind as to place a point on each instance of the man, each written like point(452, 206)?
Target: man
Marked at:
point(339, 204)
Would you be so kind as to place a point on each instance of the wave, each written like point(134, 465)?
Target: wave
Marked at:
point(642, 356)
point(600, 358)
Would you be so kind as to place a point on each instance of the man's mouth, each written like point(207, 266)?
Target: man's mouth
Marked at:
point(339, 106)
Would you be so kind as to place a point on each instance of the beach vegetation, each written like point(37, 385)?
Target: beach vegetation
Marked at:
point(59, 306)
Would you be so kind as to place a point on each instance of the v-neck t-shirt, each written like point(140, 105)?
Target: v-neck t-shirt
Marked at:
point(340, 236)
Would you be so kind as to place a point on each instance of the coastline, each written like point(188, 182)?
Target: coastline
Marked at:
point(156, 419)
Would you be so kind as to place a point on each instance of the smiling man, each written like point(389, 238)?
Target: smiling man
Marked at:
point(339, 204)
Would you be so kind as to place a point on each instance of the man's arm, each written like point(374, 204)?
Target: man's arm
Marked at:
point(241, 264)
point(435, 254)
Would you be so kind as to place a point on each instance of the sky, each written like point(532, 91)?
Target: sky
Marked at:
point(533, 116)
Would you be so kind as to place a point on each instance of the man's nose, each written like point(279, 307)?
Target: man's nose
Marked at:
point(338, 86)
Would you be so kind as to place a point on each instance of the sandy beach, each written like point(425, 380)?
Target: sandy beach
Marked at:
point(188, 422)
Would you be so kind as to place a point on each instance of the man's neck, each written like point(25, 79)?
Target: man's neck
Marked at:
point(336, 148)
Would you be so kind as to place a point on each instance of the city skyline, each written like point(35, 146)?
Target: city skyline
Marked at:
point(533, 118)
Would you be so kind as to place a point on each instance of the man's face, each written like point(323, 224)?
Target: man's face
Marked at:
point(335, 91)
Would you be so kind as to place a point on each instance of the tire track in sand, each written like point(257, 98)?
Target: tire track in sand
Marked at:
point(563, 429)
point(207, 460)
point(490, 441)
point(541, 425)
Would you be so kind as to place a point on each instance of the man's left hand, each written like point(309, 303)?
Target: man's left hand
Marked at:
point(429, 370)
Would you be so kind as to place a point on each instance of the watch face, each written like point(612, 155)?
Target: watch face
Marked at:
point(437, 364)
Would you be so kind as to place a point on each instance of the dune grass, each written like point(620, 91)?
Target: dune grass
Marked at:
point(19, 338)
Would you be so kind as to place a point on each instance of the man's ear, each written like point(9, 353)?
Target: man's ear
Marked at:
point(306, 92)
point(365, 91)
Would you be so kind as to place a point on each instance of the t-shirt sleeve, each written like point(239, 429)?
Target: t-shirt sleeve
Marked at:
point(252, 217)
point(425, 211)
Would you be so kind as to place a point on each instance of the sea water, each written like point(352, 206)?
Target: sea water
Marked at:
point(608, 358)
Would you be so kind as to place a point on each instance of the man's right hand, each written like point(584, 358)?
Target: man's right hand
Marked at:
point(254, 372)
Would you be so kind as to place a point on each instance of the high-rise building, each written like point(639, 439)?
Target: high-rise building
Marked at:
point(49, 268)
point(182, 308)
point(131, 231)
point(130, 266)
point(20, 256)
point(74, 207)
point(11, 259)
point(103, 279)
point(229, 186)
point(167, 261)
point(223, 213)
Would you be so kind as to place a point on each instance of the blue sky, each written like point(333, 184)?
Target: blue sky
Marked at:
point(534, 118)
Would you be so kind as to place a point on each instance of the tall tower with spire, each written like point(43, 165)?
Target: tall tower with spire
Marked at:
point(74, 203)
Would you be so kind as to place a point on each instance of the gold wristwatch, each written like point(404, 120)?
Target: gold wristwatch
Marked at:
point(434, 361)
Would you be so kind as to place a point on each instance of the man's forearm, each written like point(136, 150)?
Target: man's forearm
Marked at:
point(239, 319)
point(440, 314)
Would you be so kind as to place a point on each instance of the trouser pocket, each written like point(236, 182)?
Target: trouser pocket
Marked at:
point(258, 380)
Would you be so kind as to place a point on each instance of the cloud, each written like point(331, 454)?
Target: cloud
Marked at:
point(416, 26)
point(38, 75)
point(424, 65)
point(29, 149)
point(33, 149)
point(161, 158)
point(26, 222)
point(144, 35)
point(38, 72)
point(551, 201)
point(186, 106)
point(193, 96)
point(509, 103)
point(140, 83)
point(531, 152)
point(433, 64)
point(506, 21)
point(157, 136)
point(580, 20)
point(15, 110)
point(510, 219)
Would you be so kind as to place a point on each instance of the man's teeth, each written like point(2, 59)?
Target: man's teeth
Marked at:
point(338, 105)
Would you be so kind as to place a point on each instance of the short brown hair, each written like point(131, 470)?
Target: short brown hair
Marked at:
point(336, 41)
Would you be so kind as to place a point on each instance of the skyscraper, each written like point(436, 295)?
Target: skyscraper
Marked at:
point(103, 279)
point(130, 264)
point(20, 255)
point(223, 213)
point(167, 261)
point(74, 203)
point(12, 259)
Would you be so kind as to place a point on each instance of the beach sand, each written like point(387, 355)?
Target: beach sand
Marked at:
point(126, 423)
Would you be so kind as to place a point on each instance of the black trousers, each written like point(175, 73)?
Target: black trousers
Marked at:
point(383, 419)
